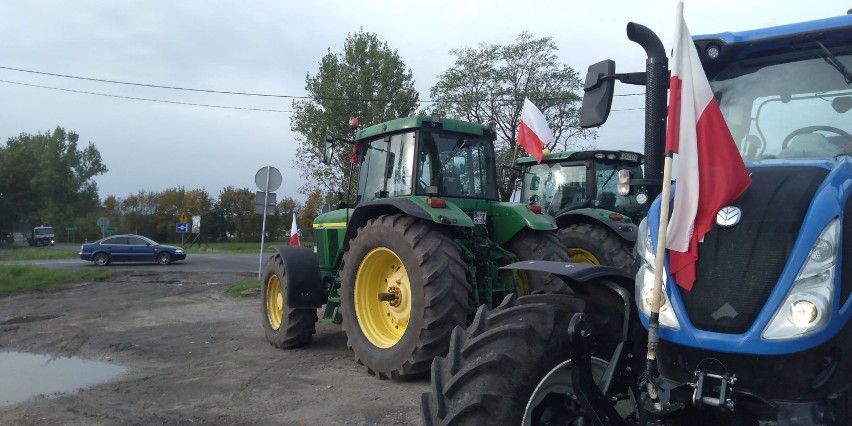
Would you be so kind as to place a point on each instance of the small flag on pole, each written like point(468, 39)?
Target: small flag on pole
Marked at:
point(294, 233)
point(534, 133)
point(710, 172)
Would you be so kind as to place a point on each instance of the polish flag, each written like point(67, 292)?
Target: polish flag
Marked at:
point(534, 133)
point(711, 172)
point(294, 233)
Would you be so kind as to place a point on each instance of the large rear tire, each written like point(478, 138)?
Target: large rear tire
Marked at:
point(494, 367)
point(285, 327)
point(539, 245)
point(417, 271)
point(597, 245)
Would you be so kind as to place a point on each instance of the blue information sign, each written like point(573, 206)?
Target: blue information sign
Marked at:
point(182, 228)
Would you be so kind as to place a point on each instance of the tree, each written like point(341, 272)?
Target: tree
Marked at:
point(47, 178)
point(490, 83)
point(367, 78)
point(236, 206)
point(312, 209)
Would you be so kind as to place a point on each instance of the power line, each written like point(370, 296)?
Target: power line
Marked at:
point(269, 95)
point(145, 99)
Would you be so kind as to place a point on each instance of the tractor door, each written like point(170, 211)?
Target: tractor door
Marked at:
point(386, 168)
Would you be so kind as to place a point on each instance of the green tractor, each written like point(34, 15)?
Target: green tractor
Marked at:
point(419, 249)
point(589, 194)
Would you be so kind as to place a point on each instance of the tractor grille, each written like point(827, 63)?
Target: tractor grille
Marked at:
point(739, 266)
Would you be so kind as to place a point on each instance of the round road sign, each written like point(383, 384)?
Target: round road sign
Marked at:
point(269, 175)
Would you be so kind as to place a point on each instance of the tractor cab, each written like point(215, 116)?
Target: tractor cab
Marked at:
point(792, 105)
point(568, 181)
point(426, 156)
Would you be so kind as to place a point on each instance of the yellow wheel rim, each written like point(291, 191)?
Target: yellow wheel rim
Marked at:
point(382, 275)
point(274, 302)
point(578, 255)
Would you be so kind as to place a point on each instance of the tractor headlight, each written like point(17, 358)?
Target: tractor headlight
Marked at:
point(645, 279)
point(806, 309)
point(623, 186)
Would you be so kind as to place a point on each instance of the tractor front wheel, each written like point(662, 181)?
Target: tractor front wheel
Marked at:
point(597, 245)
point(510, 366)
point(285, 327)
point(403, 291)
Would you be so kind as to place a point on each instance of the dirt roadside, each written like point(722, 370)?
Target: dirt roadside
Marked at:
point(194, 355)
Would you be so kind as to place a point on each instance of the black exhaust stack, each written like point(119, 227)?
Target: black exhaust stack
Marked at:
point(656, 89)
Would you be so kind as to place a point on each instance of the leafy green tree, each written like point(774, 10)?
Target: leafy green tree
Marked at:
point(138, 213)
point(312, 209)
point(236, 207)
point(285, 210)
point(367, 78)
point(48, 178)
point(490, 82)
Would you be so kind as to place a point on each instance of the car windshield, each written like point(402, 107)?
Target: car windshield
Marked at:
point(44, 231)
point(788, 108)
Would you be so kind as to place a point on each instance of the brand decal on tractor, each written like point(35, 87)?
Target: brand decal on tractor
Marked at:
point(729, 216)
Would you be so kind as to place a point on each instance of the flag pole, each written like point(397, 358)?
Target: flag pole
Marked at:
point(656, 295)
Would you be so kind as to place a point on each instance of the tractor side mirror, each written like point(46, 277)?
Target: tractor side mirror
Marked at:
point(599, 89)
point(328, 150)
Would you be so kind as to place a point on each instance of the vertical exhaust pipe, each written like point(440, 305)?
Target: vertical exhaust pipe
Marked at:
point(656, 89)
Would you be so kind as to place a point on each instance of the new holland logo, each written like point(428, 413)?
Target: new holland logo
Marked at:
point(729, 216)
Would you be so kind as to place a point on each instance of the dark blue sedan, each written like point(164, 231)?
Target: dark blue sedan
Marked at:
point(129, 248)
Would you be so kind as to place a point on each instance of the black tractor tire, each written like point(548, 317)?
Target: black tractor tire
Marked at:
point(494, 366)
point(399, 255)
point(598, 245)
point(539, 245)
point(285, 327)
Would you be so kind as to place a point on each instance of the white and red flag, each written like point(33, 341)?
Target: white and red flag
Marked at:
point(534, 133)
point(710, 172)
point(294, 233)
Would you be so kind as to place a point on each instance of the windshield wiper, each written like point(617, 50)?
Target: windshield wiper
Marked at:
point(833, 61)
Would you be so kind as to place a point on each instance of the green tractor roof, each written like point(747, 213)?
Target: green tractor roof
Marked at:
point(582, 156)
point(418, 121)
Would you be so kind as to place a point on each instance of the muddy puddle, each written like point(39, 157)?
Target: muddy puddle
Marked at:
point(25, 375)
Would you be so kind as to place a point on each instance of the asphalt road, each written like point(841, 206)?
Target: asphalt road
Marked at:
point(195, 262)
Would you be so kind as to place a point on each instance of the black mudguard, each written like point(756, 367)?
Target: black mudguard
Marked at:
point(304, 290)
point(573, 272)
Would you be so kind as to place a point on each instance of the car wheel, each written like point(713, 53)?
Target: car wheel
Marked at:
point(164, 258)
point(101, 259)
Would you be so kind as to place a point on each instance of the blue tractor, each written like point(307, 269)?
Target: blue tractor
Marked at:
point(765, 336)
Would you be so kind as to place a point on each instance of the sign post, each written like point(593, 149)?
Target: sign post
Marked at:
point(268, 179)
point(182, 228)
point(103, 223)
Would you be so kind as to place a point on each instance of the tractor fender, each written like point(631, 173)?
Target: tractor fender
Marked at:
point(304, 289)
point(417, 207)
point(510, 218)
point(605, 285)
point(627, 231)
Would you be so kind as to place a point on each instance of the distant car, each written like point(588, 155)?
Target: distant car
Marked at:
point(129, 248)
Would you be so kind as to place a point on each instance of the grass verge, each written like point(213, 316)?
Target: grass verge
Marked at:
point(245, 288)
point(37, 253)
point(25, 278)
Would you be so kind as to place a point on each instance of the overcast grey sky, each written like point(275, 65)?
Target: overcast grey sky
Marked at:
point(269, 47)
